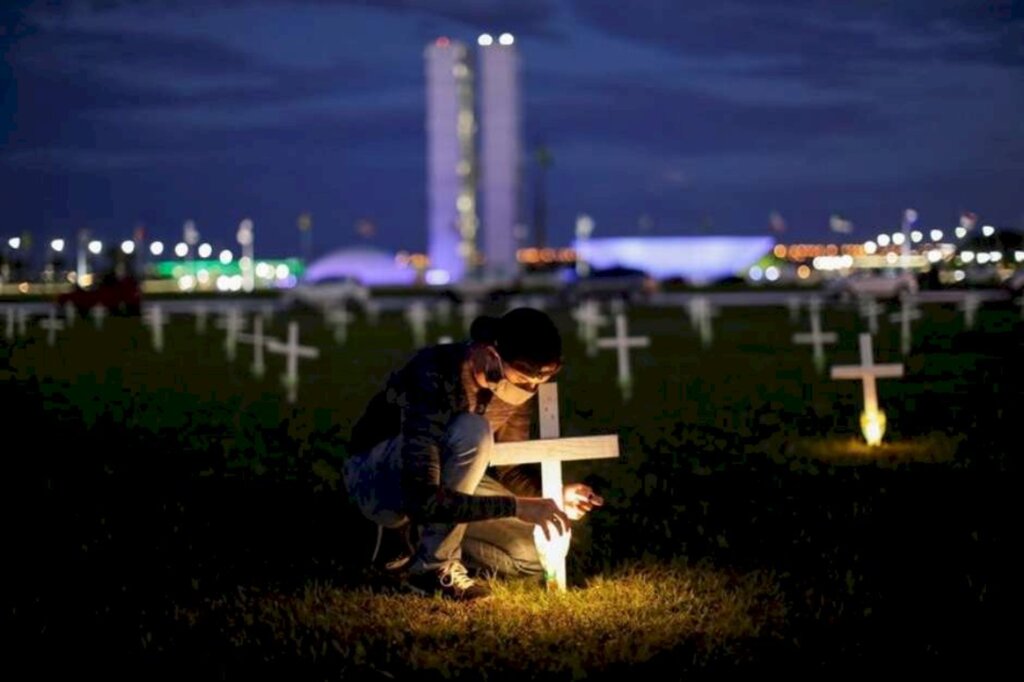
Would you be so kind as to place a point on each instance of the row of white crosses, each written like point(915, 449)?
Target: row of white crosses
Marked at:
point(16, 321)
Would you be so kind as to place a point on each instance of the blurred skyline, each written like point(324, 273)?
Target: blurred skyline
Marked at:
point(661, 117)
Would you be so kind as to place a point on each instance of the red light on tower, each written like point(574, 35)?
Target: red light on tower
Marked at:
point(442, 42)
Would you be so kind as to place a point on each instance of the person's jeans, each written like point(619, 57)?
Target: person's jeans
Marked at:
point(501, 546)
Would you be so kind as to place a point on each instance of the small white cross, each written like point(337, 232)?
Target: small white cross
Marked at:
point(700, 318)
point(588, 320)
point(970, 305)
point(418, 316)
point(70, 312)
point(867, 371)
point(372, 310)
point(816, 336)
point(793, 303)
point(551, 450)
point(622, 342)
point(340, 319)
point(258, 342)
point(292, 352)
point(469, 311)
point(51, 325)
point(443, 309)
point(870, 309)
point(232, 323)
point(155, 321)
point(908, 311)
point(98, 314)
point(200, 313)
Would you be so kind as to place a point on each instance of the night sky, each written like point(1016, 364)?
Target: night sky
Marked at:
point(662, 116)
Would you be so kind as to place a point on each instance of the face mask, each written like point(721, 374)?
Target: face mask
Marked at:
point(505, 390)
point(508, 392)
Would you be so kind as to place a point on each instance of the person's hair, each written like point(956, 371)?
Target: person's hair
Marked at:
point(524, 337)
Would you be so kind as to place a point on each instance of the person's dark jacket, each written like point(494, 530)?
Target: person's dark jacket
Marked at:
point(418, 401)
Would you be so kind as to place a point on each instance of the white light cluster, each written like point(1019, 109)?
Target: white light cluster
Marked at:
point(181, 249)
point(988, 230)
point(883, 240)
point(128, 247)
point(833, 262)
point(95, 246)
point(755, 273)
point(936, 235)
point(156, 248)
point(870, 248)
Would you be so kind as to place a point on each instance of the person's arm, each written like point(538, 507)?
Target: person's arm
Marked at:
point(426, 412)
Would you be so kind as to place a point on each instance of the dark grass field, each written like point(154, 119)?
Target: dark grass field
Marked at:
point(170, 515)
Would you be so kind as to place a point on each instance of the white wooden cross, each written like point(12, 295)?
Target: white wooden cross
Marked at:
point(9, 327)
point(908, 311)
point(232, 323)
point(418, 316)
point(793, 303)
point(867, 371)
point(816, 336)
point(292, 352)
point(588, 320)
point(155, 321)
point(200, 313)
point(622, 342)
point(870, 309)
point(51, 324)
point(538, 302)
point(340, 319)
point(70, 312)
point(550, 451)
point(700, 317)
point(970, 305)
point(372, 309)
point(258, 342)
point(443, 308)
point(21, 317)
point(98, 314)
point(469, 311)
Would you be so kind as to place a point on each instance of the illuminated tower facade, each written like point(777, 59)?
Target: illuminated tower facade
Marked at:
point(500, 151)
point(451, 161)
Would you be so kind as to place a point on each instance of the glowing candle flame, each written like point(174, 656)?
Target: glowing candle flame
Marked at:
point(551, 552)
point(872, 425)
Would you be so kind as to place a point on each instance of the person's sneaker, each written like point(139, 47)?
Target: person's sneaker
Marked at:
point(451, 581)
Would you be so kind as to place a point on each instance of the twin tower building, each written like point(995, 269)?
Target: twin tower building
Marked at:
point(474, 158)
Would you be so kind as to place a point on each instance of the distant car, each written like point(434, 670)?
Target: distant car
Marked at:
point(880, 285)
point(627, 284)
point(119, 295)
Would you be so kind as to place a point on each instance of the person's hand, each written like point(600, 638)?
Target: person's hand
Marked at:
point(542, 512)
point(578, 499)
